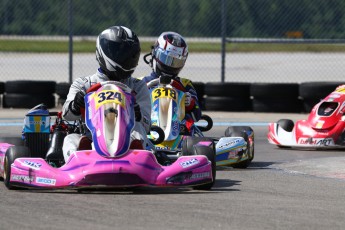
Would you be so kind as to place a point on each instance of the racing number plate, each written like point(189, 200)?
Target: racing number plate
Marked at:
point(164, 92)
point(109, 96)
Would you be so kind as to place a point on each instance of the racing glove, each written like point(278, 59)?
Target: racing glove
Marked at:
point(137, 112)
point(188, 99)
point(77, 103)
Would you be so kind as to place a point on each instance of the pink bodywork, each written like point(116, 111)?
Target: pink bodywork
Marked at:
point(123, 167)
point(89, 169)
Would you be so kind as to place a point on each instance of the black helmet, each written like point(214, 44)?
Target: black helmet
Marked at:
point(118, 52)
point(169, 54)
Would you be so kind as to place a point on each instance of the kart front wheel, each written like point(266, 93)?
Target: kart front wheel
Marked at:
point(286, 124)
point(11, 154)
point(190, 147)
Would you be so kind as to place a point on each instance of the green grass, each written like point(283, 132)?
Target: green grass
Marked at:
point(194, 47)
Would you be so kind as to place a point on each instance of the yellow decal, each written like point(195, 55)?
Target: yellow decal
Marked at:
point(109, 96)
point(164, 92)
point(38, 123)
point(340, 90)
point(319, 124)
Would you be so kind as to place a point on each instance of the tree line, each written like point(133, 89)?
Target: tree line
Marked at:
point(192, 18)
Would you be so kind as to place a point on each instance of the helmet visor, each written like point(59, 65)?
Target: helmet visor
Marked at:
point(169, 58)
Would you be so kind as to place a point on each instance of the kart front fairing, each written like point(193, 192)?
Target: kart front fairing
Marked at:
point(168, 112)
point(110, 115)
point(87, 169)
point(324, 127)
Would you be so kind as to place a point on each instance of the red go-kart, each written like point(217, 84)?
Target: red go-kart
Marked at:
point(324, 127)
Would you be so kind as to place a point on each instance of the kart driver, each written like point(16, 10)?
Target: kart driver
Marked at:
point(117, 52)
point(168, 56)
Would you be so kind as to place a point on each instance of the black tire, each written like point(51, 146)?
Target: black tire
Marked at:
point(30, 87)
point(28, 101)
point(189, 149)
point(241, 131)
point(17, 141)
point(227, 89)
point(278, 105)
point(11, 154)
point(276, 90)
point(62, 89)
point(228, 104)
point(308, 104)
point(2, 87)
point(317, 90)
point(200, 89)
point(286, 124)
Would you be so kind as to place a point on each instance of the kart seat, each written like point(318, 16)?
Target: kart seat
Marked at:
point(85, 143)
point(136, 144)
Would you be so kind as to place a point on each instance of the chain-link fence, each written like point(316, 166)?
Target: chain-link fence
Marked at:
point(207, 21)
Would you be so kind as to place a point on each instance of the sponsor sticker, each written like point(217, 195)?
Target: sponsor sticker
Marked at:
point(316, 141)
point(189, 163)
point(48, 181)
point(32, 164)
point(22, 178)
point(200, 175)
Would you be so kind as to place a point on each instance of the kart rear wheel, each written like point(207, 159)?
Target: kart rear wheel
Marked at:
point(286, 124)
point(241, 131)
point(11, 154)
point(189, 148)
point(247, 129)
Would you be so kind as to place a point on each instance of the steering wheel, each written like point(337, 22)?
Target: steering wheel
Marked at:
point(160, 132)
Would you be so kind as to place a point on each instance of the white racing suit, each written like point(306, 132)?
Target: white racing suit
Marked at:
point(141, 128)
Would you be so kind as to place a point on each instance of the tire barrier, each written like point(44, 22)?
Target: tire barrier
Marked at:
point(228, 96)
point(61, 90)
point(27, 94)
point(200, 90)
point(312, 92)
point(276, 97)
point(2, 87)
point(216, 96)
point(27, 101)
point(30, 87)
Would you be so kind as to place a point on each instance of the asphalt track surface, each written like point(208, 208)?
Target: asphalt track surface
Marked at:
point(282, 189)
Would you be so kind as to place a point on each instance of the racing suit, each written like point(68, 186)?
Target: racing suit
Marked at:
point(193, 111)
point(141, 128)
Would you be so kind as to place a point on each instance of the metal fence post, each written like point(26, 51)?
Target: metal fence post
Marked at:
point(223, 32)
point(70, 46)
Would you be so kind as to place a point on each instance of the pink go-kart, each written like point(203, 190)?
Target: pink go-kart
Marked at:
point(323, 129)
point(110, 163)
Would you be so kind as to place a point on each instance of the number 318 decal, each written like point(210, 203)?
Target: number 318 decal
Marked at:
point(164, 92)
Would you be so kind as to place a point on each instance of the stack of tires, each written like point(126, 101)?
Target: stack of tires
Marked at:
point(2, 90)
point(276, 97)
point(228, 96)
point(313, 92)
point(27, 94)
point(200, 90)
point(61, 90)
